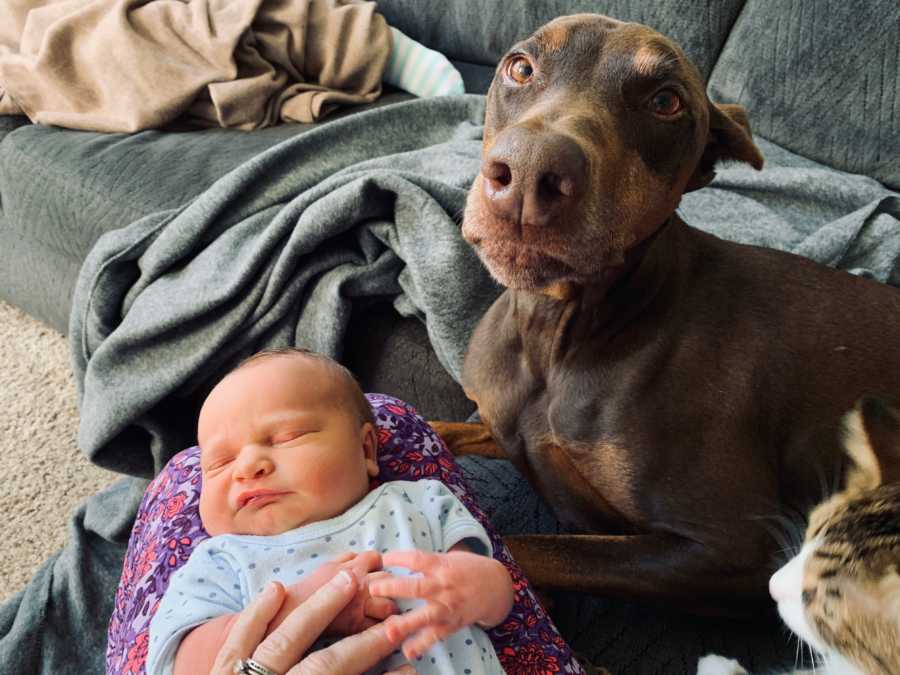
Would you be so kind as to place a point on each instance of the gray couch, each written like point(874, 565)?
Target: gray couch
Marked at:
point(819, 80)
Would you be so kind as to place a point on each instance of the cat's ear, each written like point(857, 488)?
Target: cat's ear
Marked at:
point(872, 440)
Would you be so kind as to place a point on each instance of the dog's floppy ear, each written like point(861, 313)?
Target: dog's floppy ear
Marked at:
point(729, 138)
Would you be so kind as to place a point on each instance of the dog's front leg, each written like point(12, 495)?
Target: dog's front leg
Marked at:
point(654, 566)
point(468, 438)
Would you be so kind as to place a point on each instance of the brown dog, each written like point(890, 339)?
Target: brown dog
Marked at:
point(667, 392)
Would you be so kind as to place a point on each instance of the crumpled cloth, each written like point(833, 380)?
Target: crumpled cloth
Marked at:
point(128, 65)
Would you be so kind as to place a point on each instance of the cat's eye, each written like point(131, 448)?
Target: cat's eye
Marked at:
point(807, 596)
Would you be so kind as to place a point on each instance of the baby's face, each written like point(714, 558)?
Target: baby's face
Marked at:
point(280, 448)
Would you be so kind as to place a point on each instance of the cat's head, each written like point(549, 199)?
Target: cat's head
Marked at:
point(841, 593)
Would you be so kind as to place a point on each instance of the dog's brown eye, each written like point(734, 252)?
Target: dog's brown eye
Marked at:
point(665, 103)
point(519, 69)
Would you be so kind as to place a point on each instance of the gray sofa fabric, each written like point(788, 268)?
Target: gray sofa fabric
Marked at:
point(821, 79)
point(480, 32)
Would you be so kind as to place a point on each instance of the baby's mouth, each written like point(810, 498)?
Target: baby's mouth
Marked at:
point(257, 498)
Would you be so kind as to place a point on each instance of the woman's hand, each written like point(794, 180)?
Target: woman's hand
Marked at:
point(282, 650)
point(361, 612)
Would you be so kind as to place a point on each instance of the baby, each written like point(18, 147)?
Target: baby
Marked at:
point(288, 449)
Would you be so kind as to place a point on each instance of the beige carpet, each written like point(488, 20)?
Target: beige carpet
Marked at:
point(42, 473)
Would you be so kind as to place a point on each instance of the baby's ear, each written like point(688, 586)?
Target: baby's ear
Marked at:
point(370, 448)
point(872, 440)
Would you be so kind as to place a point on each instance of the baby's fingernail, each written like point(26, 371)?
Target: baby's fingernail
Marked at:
point(344, 578)
point(271, 588)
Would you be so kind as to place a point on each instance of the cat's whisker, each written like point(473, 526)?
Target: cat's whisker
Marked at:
point(812, 658)
point(787, 531)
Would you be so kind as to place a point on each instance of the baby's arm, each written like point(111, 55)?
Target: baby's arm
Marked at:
point(197, 651)
point(460, 588)
point(489, 579)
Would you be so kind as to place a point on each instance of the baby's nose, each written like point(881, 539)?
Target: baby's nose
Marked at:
point(256, 471)
point(253, 463)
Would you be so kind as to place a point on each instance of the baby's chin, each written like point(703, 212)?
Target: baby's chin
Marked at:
point(259, 526)
point(268, 527)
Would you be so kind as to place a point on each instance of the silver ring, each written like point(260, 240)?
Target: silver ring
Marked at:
point(251, 667)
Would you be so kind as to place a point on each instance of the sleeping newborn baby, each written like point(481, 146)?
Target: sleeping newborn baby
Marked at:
point(288, 450)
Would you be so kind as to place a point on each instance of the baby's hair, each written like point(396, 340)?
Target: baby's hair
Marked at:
point(354, 392)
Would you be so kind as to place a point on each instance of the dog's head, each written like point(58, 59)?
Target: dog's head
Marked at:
point(594, 129)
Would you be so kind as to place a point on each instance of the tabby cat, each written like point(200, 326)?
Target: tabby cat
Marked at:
point(841, 593)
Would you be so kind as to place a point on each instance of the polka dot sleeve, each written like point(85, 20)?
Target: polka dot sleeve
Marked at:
point(206, 587)
point(450, 521)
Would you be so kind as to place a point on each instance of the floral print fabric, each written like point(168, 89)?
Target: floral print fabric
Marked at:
point(168, 528)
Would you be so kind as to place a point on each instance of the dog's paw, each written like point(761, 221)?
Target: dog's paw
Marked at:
point(712, 664)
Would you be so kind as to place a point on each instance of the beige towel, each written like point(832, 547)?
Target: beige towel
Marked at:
point(126, 65)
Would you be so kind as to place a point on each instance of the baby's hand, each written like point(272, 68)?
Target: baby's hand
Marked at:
point(459, 589)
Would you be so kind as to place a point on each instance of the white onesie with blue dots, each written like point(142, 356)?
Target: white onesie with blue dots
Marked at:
point(226, 572)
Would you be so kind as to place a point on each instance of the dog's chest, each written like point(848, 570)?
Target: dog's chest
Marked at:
point(547, 423)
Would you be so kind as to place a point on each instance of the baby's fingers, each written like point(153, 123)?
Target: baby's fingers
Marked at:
point(425, 639)
point(414, 559)
point(406, 624)
point(375, 576)
point(380, 608)
point(403, 587)
point(364, 563)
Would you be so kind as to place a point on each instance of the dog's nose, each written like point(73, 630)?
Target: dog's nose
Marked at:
point(531, 176)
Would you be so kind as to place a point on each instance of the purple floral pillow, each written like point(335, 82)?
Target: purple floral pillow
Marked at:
point(167, 529)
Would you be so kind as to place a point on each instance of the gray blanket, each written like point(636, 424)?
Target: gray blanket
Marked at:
point(277, 252)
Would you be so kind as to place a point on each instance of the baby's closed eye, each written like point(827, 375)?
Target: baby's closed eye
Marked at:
point(286, 436)
point(215, 464)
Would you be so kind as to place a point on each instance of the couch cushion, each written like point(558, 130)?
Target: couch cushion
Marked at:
point(820, 77)
point(62, 189)
point(481, 32)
